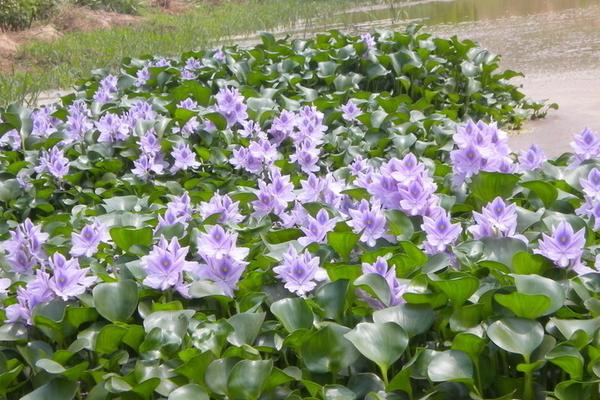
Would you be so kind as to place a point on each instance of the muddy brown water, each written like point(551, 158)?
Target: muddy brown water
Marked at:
point(555, 43)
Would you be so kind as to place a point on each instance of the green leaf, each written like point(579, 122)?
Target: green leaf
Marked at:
point(568, 358)
point(376, 285)
point(342, 242)
point(568, 327)
point(116, 301)
point(190, 391)
point(109, 338)
point(526, 263)
point(246, 327)
point(327, 350)
point(535, 284)
point(399, 224)
point(293, 313)
point(530, 306)
point(458, 289)
point(516, 335)
point(544, 190)
point(50, 366)
point(55, 389)
point(247, 378)
point(382, 343)
point(125, 238)
point(486, 186)
point(450, 366)
point(415, 319)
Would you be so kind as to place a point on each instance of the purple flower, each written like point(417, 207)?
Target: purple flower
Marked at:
point(86, 242)
point(146, 164)
point(368, 40)
point(217, 243)
point(54, 162)
point(107, 89)
point(184, 158)
point(316, 228)
point(440, 232)
point(225, 272)
point(44, 124)
point(265, 202)
point(466, 162)
point(417, 196)
point(36, 292)
point(299, 272)
point(586, 145)
point(179, 211)
point(497, 219)
point(564, 247)
point(283, 126)
point(297, 216)
point(142, 76)
point(350, 111)
point(68, 280)
point(149, 143)
point(112, 128)
point(307, 157)
point(230, 104)
point(11, 139)
point(78, 121)
point(380, 267)
point(219, 55)
point(591, 185)
point(223, 205)
point(531, 159)
point(326, 189)
point(368, 221)
point(25, 247)
point(165, 265)
point(188, 104)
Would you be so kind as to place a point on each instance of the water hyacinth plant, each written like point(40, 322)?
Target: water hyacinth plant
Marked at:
point(340, 217)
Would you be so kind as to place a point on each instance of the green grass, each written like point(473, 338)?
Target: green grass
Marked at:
point(59, 64)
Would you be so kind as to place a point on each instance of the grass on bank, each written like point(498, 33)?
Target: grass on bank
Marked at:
point(59, 64)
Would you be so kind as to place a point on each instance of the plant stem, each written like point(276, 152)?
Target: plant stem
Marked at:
point(384, 373)
point(528, 383)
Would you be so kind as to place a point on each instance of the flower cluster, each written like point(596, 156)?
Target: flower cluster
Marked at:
point(300, 272)
point(230, 104)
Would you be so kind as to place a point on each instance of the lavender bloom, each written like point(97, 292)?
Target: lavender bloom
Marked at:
point(54, 162)
point(184, 158)
point(86, 242)
point(179, 211)
point(44, 124)
point(106, 90)
point(219, 55)
point(497, 219)
point(146, 164)
point(316, 228)
point(252, 129)
point(281, 188)
point(531, 159)
point(466, 162)
point(440, 232)
point(140, 110)
point(299, 272)
point(165, 266)
point(142, 76)
point(564, 247)
point(282, 126)
point(217, 243)
point(586, 145)
point(369, 221)
point(350, 111)
point(380, 267)
point(228, 209)
point(225, 272)
point(112, 128)
point(325, 189)
point(368, 40)
point(230, 104)
point(11, 139)
point(149, 143)
point(265, 202)
point(161, 62)
point(418, 196)
point(68, 280)
point(359, 166)
point(36, 292)
point(188, 104)
point(78, 121)
point(25, 247)
point(307, 158)
point(243, 158)
point(297, 216)
point(591, 185)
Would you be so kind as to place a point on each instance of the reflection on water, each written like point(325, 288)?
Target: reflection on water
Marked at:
point(434, 12)
point(533, 36)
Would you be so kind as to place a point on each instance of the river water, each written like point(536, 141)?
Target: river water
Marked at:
point(555, 43)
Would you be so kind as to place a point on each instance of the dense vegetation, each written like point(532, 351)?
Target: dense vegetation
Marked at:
point(308, 219)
